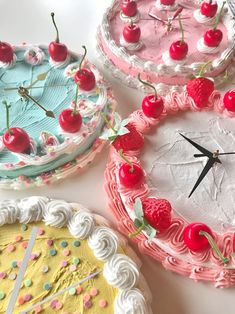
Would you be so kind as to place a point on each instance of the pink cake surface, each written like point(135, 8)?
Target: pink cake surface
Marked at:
point(148, 60)
point(168, 246)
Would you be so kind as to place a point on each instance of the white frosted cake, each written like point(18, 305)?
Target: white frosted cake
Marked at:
point(148, 40)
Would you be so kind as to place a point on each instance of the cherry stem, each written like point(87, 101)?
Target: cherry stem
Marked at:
point(83, 57)
point(214, 246)
point(149, 85)
point(181, 29)
point(137, 232)
point(76, 99)
point(218, 17)
point(57, 40)
point(126, 160)
point(203, 68)
point(108, 123)
point(7, 116)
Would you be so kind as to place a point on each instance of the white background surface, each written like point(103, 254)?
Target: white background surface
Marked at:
point(29, 21)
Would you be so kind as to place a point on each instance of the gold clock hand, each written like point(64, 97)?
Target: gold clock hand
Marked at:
point(24, 93)
point(40, 77)
point(34, 87)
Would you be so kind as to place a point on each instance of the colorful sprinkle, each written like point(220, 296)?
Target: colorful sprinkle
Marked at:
point(11, 248)
point(53, 303)
point(53, 252)
point(72, 291)
point(64, 264)
point(59, 306)
point(14, 264)
point(76, 261)
point(79, 289)
point(76, 243)
point(2, 295)
point(3, 275)
point(37, 309)
point(94, 292)
point(49, 242)
point(21, 300)
point(18, 238)
point(103, 303)
point(28, 282)
point(73, 267)
point(41, 231)
point(12, 276)
point(24, 227)
point(47, 286)
point(64, 243)
point(19, 263)
point(66, 252)
point(86, 297)
point(45, 268)
point(24, 244)
point(88, 304)
point(27, 297)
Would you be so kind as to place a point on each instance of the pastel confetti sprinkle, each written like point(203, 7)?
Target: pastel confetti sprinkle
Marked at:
point(38, 309)
point(53, 303)
point(11, 248)
point(103, 303)
point(2, 295)
point(47, 286)
point(45, 269)
point(73, 268)
point(88, 304)
point(76, 243)
point(41, 231)
point(86, 297)
point(12, 276)
point(27, 297)
point(66, 252)
point(64, 264)
point(24, 244)
point(28, 282)
point(76, 261)
point(64, 243)
point(21, 300)
point(3, 275)
point(18, 238)
point(72, 291)
point(94, 292)
point(24, 227)
point(49, 242)
point(53, 252)
point(19, 263)
point(14, 264)
point(79, 289)
point(59, 305)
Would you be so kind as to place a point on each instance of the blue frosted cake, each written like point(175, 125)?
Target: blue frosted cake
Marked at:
point(53, 152)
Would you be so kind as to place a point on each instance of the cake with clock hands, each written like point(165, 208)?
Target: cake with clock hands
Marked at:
point(50, 104)
point(167, 41)
point(75, 262)
point(171, 186)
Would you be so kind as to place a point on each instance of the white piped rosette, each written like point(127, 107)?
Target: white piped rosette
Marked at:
point(202, 19)
point(130, 46)
point(163, 7)
point(120, 271)
point(34, 55)
point(127, 19)
point(8, 65)
point(202, 47)
point(169, 61)
point(60, 64)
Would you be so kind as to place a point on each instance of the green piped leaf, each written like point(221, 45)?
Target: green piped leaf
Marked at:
point(137, 223)
point(138, 209)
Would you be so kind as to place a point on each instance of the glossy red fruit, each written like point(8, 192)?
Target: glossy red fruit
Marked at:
point(130, 141)
point(152, 107)
point(192, 238)
point(209, 9)
point(86, 79)
point(157, 212)
point(17, 140)
point(69, 121)
point(129, 7)
point(131, 33)
point(213, 38)
point(229, 100)
point(58, 51)
point(178, 50)
point(200, 89)
point(131, 177)
point(6, 52)
point(167, 2)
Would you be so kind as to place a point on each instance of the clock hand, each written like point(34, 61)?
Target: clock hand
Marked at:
point(40, 77)
point(33, 87)
point(24, 93)
point(211, 161)
point(217, 154)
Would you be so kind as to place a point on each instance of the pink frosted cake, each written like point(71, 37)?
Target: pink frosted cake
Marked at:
point(141, 36)
point(187, 226)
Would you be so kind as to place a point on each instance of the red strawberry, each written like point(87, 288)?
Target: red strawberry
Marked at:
point(130, 141)
point(200, 89)
point(157, 212)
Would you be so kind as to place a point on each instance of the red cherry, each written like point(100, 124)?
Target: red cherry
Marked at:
point(152, 107)
point(212, 38)
point(57, 50)
point(16, 140)
point(167, 2)
point(229, 100)
point(178, 50)
point(129, 7)
point(131, 33)
point(70, 121)
point(6, 52)
point(193, 239)
point(131, 175)
point(209, 9)
point(85, 79)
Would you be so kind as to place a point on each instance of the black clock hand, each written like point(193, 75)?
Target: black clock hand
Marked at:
point(217, 154)
point(211, 161)
point(24, 93)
